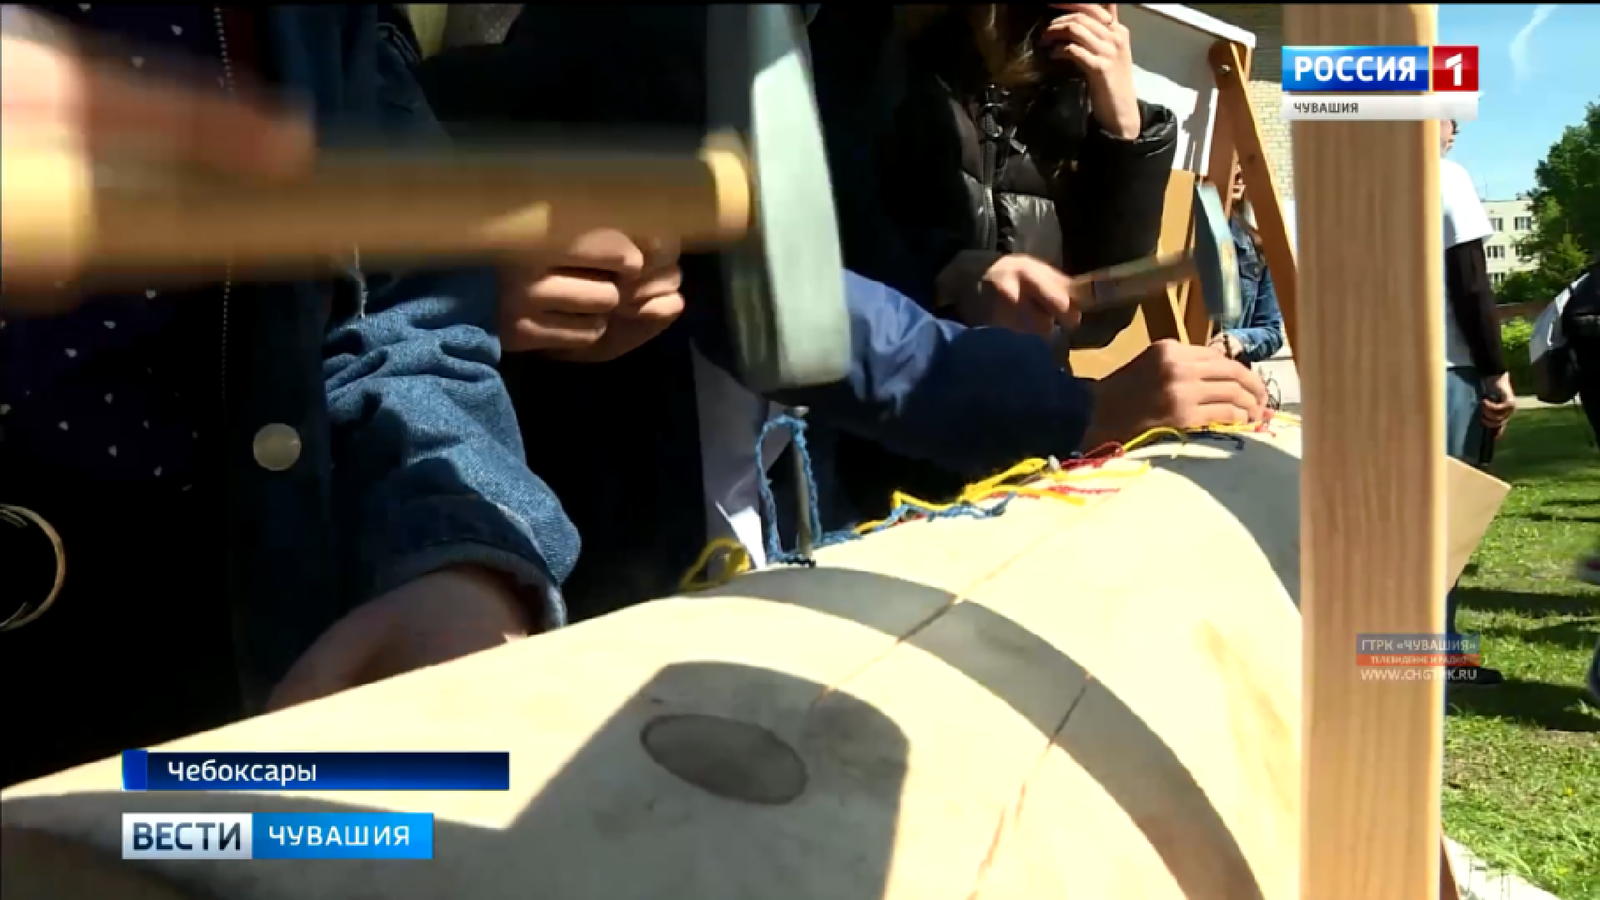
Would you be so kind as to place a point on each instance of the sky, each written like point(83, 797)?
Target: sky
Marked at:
point(1538, 65)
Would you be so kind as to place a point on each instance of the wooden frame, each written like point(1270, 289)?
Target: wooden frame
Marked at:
point(1233, 136)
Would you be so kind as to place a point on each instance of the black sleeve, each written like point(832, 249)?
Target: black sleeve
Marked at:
point(1110, 207)
point(893, 155)
point(1471, 301)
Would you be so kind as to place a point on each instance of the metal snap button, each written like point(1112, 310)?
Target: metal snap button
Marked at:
point(276, 447)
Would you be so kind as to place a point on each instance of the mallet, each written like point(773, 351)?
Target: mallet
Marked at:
point(1212, 262)
point(758, 186)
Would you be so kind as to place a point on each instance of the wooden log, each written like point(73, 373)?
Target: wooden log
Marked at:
point(1019, 707)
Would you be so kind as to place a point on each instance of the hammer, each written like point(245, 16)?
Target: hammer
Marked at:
point(758, 186)
point(1212, 261)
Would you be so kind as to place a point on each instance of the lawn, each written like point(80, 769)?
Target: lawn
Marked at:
point(1522, 761)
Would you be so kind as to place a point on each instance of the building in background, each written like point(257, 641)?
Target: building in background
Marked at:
point(1512, 221)
point(1265, 86)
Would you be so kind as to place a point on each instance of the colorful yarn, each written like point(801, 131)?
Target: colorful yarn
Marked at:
point(1046, 479)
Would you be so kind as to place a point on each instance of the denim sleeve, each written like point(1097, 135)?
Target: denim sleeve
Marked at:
point(970, 399)
point(1262, 337)
point(429, 463)
point(428, 457)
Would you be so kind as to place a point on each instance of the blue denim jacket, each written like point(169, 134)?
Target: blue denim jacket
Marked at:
point(390, 381)
point(1260, 324)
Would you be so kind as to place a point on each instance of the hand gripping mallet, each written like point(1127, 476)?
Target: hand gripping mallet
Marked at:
point(1212, 262)
point(759, 185)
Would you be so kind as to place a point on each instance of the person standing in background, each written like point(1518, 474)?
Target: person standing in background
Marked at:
point(1479, 399)
point(1258, 332)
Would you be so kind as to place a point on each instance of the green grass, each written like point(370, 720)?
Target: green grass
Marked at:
point(1522, 761)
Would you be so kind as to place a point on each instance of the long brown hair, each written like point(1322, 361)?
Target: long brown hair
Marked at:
point(1006, 36)
point(1242, 211)
point(1002, 35)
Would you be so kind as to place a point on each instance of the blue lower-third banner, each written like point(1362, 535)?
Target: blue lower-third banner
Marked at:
point(154, 770)
point(321, 835)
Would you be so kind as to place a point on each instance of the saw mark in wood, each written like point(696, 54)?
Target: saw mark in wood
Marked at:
point(956, 598)
point(1013, 811)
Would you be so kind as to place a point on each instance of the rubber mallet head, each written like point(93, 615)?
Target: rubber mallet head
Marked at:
point(785, 282)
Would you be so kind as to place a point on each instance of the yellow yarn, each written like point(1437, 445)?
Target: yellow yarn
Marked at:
point(701, 576)
point(1033, 478)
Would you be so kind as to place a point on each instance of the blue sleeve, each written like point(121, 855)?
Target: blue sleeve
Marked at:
point(429, 464)
point(429, 469)
point(970, 399)
point(1262, 336)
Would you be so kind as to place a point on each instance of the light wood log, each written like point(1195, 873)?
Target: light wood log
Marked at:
point(1097, 701)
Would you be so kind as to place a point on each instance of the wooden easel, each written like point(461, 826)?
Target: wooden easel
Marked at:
point(1235, 135)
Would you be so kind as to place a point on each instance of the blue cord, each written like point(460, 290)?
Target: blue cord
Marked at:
point(776, 555)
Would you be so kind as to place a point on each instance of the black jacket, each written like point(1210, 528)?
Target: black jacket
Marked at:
point(618, 441)
point(929, 160)
point(917, 180)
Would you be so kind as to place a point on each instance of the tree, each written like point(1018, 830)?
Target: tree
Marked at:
point(1566, 205)
point(1558, 267)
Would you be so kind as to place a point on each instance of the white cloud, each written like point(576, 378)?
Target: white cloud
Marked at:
point(1519, 44)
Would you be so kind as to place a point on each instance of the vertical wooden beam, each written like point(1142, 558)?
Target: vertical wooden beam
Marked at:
point(1261, 189)
point(1219, 172)
point(1448, 888)
point(1372, 487)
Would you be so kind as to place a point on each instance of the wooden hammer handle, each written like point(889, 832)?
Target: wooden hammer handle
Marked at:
point(59, 208)
point(1130, 283)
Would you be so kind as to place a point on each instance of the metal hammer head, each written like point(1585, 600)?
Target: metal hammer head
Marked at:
point(785, 284)
point(1215, 262)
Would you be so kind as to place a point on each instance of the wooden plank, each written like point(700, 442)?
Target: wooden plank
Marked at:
point(1449, 889)
point(1261, 188)
point(1474, 499)
point(1372, 524)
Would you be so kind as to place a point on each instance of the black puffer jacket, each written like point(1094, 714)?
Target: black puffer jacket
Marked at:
point(914, 186)
point(930, 160)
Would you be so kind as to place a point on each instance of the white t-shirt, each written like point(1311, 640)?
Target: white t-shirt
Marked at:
point(1464, 221)
point(731, 418)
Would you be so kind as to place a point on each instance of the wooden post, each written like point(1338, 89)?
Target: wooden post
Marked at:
point(1234, 112)
point(1372, 534)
